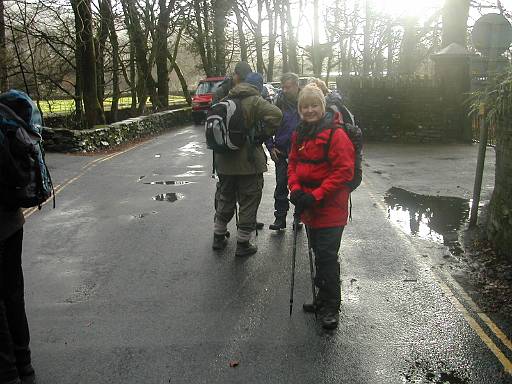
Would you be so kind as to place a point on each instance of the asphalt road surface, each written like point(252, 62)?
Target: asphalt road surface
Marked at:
point(122, 286)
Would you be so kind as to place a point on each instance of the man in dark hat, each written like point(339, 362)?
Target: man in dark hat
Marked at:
point(242, 69)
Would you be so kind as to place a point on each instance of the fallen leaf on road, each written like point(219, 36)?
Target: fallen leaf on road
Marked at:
point(234, 363)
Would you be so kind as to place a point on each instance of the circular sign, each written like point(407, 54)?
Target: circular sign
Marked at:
point(492, 32)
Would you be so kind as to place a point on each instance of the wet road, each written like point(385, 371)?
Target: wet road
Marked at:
point(123, 287)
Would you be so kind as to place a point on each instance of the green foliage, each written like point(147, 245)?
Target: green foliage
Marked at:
point(66, 106)
point(497, 98)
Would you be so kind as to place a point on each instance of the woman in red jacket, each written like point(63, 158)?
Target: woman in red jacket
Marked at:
point(321, 161)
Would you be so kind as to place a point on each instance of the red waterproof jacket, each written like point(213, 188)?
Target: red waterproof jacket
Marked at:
point(323, 179)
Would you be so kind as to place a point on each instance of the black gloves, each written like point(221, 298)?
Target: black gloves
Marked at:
point(301, 199)
point(306, 200)
point(295, 196)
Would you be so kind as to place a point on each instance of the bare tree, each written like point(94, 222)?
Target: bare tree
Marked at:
point(87, 62)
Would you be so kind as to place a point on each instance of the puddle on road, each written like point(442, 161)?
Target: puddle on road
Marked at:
point(170, 197)
point(197, 166)
point(169, 182)
point(191, 174)
point(158, 155)
point(193, 148)
point(436, 218)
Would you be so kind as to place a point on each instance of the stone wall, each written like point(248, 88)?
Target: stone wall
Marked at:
point(499, 226)
point(404, 110)
point(69, 140)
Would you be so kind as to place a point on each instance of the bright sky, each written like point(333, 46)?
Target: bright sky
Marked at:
point(419, 8)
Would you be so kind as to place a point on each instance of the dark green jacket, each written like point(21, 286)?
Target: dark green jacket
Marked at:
point(250, 159)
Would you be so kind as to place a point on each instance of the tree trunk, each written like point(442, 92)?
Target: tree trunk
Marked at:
point(146, 84)
point(241, 34)
point(367, 37)
point(408, 48)
point(455, 20)
point(316, 59)
point(116, 93)
point(220, 22)
point(292, 43)
point(258, 39)
point(499, 226)
point(272, 28)
point(3, 51)
point(162, 51)
point(201, 37)
point(284, 41)
point(85, 45)
point(133, 79)
point(102, 41)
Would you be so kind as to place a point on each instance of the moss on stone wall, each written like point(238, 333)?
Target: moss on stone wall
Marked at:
point(69, 140)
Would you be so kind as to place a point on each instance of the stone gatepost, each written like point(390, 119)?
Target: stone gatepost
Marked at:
point(452, 72)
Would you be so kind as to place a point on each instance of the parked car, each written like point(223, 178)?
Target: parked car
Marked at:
point(203, 96)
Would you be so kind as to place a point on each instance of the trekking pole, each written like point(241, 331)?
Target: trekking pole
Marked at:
point(311, 268)
point(294, 253)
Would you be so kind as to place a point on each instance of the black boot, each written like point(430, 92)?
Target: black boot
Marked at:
point(279, 223)
point(244, 248)
point(220, 241)
point(259, 225)
point(329, 317)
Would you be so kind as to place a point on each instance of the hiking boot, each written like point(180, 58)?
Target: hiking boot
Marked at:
point(330, 319)
point(279, 223)
point(245, 249)
point(219, 242)
point(259, 225)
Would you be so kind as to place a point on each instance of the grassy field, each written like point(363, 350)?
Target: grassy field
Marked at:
point(66, 106)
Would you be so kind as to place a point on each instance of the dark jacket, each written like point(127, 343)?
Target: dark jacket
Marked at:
point(323, 179)
point(291, 119)
point(250, 159)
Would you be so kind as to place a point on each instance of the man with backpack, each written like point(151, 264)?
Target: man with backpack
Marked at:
point(15, 361)
point(240, 168)
point(279, 145)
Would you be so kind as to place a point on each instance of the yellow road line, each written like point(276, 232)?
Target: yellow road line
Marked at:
point(507, 364)
point(30, 211)
point(492, 326)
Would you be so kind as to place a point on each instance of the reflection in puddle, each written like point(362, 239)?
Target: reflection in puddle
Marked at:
point(194, 147)
point(170, 182)
point(195, 166)
point(158, 155)
point(141, 177)
point(437, 218)
point(170, 197)
point(191, 174)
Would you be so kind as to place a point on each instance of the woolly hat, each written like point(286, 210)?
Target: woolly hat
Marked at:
point(256, 80)
point(242, 69)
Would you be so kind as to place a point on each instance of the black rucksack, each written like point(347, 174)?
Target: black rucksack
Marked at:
point(355, 135)
point(24, 177)
point(225, 127)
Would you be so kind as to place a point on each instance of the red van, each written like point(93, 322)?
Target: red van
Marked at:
point(203, 97)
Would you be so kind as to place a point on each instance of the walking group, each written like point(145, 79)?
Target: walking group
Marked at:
point(310, 135)
point(316, 147)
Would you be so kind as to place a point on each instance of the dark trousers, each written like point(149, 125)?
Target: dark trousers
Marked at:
point(281, 204)
point(326, 244)
point(14, 334)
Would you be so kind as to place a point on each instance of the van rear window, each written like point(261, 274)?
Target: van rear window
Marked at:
point(207, 87)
